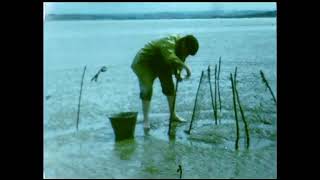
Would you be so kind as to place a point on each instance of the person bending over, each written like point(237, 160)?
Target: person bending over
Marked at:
point(162, 59)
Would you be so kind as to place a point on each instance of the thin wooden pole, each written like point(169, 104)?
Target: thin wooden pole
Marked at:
point(235, 113)
point(267, 84)
point(78, 114)
point(215, 93)
point(211, 93)
point(179, 170)
point(219, 84)
point(242, 113)
point(195, 104)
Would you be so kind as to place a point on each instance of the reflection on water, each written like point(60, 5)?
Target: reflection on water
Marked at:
point(173, 132)
point(125, 149)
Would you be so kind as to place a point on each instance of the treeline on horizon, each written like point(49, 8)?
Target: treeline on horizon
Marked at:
point(164, 15)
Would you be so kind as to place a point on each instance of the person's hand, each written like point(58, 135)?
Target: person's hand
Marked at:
point(178, 77)
point(188, 72)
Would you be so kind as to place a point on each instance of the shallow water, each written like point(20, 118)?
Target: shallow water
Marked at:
point(249, 44)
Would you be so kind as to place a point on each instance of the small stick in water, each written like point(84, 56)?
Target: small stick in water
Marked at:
point(180, 170)
point(195, 104)
point(103, 69)
point(211, 93)
point(78, 115)
point(215, 94)
point(242, 112)
point(219, 84)
point(267, 84)
point(95, 77)
point(235, 112)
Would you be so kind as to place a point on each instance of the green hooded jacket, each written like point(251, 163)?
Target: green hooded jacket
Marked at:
point(160, 55)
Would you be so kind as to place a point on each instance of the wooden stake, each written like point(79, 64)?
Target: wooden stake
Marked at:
point(267, 84)
point(242, 112)
point(194, 107)
point(211, 93)
point(179, 170)
point(219, 84)
point(78, 114)
point(235, 113)
point(215, 94)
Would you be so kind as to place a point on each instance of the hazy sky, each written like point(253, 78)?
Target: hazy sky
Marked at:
point(143, 7)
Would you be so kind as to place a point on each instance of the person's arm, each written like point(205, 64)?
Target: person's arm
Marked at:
point(177, 65)
point(169, 56)
point(188, 70)
point(177, 72)
point(171, 59)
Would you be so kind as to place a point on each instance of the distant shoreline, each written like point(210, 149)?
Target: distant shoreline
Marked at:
point(165, 15)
